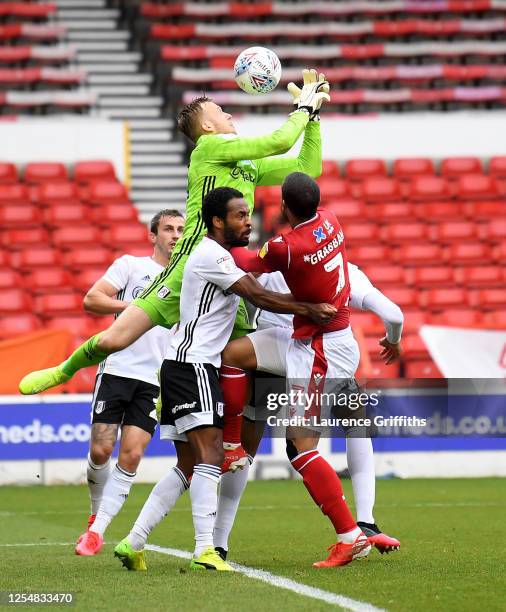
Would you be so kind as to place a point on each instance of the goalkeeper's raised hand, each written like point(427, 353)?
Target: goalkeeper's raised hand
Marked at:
point(313, 93)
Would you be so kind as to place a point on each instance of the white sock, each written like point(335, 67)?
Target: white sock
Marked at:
point(350, 536)
point(232, 486)
point(97, 476)
point(204, 496)
point(116, 491)
point(160, 501)
point(363, 479)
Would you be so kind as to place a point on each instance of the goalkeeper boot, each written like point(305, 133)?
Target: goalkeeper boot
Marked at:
point(342, 554)
point(89, 544)
point(236, 458)
point(40, 380)
point(383, 542)
point(131, 559)
point(210, 560)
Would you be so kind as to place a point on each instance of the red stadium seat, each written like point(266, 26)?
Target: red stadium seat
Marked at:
point(469, 253)
point(90, 171)
point(108, 193)
point(455, 231)
point(367, 321)
point(422, 369)
point(55, 305)
point(8, 173)
point(497, 166)
point(499, 252)
point(78, 325)
point(330, 188)
point(82, 382)
point(433, 277)
point(20, 238)
point(367, 254)
point(66, 214)
point(78, 259)
point(330, 168)
point(271, 217)
point(414, 348)
point(15, 325)
point(360, 232)
point(477, 187)
point(12, 216)
point(407, 168)
point(41, 172)
point(436, 299)
point(405, 297)
point(114, 213)
point(14, 194)
point(495, 320)
point(484, 210)
point(458, 317)
point(402, 211)
point(398, 233)
point(32, 257)
point(420, 254)
point(428, 188)
point(10, 279)
point(438, 210)
point(347, 209)
point(414, 319)
point(358, 169)
point(42, 280)
point(380, 189)
point(483, 276)
point(69, 237)
point(84, 280)
point(137, 250)
point(127, 235)
point(383, 275)
point(496, 230)
point(492, 298)
point(382, 370)
point(454, 167)
point(15, 301)
point(57, 193)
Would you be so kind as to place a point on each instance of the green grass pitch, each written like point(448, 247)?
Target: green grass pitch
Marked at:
point(452, 555)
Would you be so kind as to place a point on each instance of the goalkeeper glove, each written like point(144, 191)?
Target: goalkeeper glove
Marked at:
point(314, 91)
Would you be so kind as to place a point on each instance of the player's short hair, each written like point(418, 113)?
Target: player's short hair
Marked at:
point(188, 117)
point(301, 194)
point(166, 212)
point(215, 204)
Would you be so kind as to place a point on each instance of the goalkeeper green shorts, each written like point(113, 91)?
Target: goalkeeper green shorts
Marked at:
point(160, 301)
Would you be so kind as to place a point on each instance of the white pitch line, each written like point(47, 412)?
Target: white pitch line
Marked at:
point(283, 583)
point(37, 544)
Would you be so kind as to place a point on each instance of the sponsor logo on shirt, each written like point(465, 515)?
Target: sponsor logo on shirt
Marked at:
point(314, 258)
point(137, 291)
point(226, 264)
point(237, 172)
point(319, 234)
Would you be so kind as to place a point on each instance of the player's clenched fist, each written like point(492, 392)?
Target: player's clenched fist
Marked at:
point(320, 313)
point(391, 351)
point(314, 92)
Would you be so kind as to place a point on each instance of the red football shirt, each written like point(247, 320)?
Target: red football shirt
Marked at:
point(312, 258)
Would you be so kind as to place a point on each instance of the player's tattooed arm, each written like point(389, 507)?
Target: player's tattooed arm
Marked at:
point(284, 303)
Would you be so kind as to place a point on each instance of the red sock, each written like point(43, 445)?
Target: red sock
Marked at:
point(325, 488)
point(234, 384)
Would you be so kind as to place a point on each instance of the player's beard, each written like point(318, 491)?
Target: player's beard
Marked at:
point(233, 239)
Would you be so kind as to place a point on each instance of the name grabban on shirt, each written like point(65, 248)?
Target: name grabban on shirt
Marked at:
point(314, 258)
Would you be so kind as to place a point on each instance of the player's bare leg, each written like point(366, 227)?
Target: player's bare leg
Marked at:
point(324, 486)
point(124, 331)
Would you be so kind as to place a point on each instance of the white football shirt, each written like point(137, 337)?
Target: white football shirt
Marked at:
point(130, 275)
point(360, 286)
point(207, 308)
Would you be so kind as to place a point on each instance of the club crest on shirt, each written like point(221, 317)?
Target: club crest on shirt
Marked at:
point(219, 408)
point(163, 292)
point(328, 226)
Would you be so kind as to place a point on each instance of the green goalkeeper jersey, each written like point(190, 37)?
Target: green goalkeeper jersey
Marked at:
point(227, 160)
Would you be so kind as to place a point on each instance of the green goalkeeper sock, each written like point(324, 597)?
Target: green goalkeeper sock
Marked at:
point(86, 355)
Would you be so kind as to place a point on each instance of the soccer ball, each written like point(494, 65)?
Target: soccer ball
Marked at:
point(257, 70)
